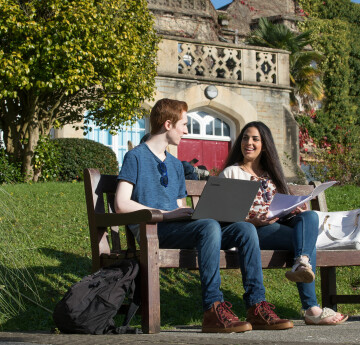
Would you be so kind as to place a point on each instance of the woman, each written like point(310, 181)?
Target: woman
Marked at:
point(254, 157)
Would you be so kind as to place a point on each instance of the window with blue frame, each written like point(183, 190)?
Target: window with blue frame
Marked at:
point(119, 143)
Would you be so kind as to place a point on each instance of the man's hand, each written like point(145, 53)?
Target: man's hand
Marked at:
point(178, 213)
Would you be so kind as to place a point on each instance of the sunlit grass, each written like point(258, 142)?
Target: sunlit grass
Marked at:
point(343, 198)
point(45, 249)
point(17, 251)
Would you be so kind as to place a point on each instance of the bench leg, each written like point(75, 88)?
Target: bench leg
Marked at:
point(150, 284)
point(328, 286)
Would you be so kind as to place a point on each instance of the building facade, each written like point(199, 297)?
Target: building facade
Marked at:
point(203, 61)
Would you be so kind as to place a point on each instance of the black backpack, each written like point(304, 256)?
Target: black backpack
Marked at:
point(90, 305)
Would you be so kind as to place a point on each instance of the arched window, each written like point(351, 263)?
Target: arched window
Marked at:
point(202, 125)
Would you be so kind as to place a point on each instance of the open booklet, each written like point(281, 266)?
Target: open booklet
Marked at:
point(283, 204)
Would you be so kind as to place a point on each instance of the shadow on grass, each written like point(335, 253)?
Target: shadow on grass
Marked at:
point(51, 282)
point(180, 293)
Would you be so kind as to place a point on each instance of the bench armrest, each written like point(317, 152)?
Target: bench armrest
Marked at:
point(136, 217)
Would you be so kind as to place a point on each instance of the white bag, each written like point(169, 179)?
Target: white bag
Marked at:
point(339, 230)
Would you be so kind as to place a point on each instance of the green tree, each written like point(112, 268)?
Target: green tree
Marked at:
point(59, 58)
point(304, 73)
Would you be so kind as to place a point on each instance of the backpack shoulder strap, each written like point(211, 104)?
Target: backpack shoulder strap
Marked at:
point(135, 300)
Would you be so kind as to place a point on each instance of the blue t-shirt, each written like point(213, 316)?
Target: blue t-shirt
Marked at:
point(141, 168)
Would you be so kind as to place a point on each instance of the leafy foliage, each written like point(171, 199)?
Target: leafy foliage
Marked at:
point(278, 36)
point(304, 75)
point(59, 58)
point(349, 14)
point(46, 159)
point(335, 45)
point(335, 127)
point(329, 158)
point(329, 9)
point(74, 155)
point(9, 172)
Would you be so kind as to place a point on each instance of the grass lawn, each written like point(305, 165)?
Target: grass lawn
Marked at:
point(46, 243)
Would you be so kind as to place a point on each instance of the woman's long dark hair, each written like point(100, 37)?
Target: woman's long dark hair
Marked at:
point(269, 158)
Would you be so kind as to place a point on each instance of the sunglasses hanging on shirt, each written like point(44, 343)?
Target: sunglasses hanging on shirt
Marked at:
point(164, 180)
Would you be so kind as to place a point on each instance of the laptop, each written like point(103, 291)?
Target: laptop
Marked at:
point(225, 200)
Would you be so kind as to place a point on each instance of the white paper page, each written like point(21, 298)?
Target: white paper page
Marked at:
point(322, 187)
point(283, 204)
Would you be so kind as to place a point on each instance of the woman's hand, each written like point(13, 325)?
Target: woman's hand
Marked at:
point(261, 219)
point(178, 213)
point(301, 208)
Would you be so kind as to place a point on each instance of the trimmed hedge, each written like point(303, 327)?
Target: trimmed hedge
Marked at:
point(9, 172)
point(77, 154)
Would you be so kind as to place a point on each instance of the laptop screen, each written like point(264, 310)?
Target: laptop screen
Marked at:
point(226, 200)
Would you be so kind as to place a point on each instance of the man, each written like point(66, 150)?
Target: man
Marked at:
point(151, 178)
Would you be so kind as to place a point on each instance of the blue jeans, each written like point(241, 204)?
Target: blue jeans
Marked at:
point(208, 237)
point(298, 234)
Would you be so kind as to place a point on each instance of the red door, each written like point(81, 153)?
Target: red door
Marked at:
point(211, 153)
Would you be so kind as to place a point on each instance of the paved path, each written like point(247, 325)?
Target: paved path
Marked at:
point(348, 333)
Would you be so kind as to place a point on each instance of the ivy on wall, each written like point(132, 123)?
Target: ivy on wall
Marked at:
point(335, 127)
point(349, 14)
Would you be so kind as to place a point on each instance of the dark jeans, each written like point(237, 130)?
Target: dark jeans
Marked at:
point(298, 234)
point(208, 237)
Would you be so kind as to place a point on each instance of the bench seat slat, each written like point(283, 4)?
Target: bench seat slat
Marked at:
point(187, 258)
point(338, 258)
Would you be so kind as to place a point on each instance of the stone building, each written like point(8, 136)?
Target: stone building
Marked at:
point(204, 61)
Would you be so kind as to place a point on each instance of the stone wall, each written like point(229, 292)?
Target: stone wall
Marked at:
point(243, 16)
point(198, 19)
point(190, 26)
point(261, 8)
point(185, 18)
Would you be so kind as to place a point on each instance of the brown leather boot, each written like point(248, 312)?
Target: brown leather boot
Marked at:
point(220, 319)
point(262, 316)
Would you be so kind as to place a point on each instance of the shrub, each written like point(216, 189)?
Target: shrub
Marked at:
point(9, 172)
point(46, 159)
point(330, 155)
point(77, 154)
point(340, 164)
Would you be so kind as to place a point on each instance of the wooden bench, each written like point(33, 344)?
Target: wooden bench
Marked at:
point(106, 248)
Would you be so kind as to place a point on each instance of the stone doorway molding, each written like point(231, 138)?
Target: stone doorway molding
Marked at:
point(228, 103)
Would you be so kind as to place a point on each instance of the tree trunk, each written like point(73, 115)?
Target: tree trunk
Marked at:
point(12, 141)
point(29, 148)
